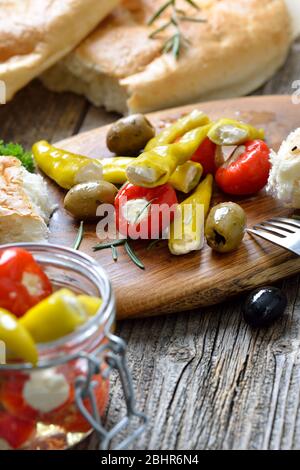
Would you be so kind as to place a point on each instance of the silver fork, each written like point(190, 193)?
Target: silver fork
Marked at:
point(280, 231)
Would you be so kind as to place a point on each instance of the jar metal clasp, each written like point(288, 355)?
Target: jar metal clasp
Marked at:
point(115, 359)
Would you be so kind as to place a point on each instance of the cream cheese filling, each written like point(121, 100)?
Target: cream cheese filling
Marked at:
point(141, 174)
point(135, 210)
point(46, 390)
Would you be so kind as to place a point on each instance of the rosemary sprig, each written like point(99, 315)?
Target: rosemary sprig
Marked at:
point(175, 43)
point(114, 253)
point(133, 256)
point(153, 244)
point(194, 4)
point(79, 237)
point(159, 12)
point(160, 30)
point(104, 246)
point(192, 20)
point(113, 246)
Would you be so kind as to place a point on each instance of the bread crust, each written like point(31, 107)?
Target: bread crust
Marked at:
point(35, 34)
point(19, 219)
point(241, 45)
point(13, 197)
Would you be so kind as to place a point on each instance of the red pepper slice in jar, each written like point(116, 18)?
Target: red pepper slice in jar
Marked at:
point(15, 431)
point(23, 283)
point(12, 398)
point(247, 171)
point(144, 212)
point(70, 418)
point(206, 155)
point(68, 415)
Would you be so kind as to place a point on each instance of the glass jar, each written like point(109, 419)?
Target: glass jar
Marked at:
point(56, 404)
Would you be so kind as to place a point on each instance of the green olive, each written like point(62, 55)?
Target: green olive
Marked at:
point(83, 199)
point(129, 135)
point(225, 227)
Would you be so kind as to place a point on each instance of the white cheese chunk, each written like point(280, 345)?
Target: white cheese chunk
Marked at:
point(284, 180)
point(141, 175)
point(46, 390)
point(93, 171)
point(33, 283)
point(135, 210)
point(231, 135)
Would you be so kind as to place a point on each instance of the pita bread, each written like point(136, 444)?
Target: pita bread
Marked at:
point(239, 47)
point(35, 34)
point(25, 204)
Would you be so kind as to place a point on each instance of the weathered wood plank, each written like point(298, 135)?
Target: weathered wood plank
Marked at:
point(36, 114)
point(207, 381)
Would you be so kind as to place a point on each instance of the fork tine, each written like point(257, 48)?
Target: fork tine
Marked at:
point(263, 226)
point(266, 236)
point(283, 230)
point(284, 220)
point(287, 229)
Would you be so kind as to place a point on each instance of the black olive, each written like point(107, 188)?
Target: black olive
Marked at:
point(264, 306)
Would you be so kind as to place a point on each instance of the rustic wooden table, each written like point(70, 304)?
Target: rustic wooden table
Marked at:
point(204, 378)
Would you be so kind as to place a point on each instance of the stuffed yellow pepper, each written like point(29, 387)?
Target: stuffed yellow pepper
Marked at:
point(232, 132)
point(187, 230)
point(65, 168)
point(179, 128)
point(155, 167)
point(185, 178)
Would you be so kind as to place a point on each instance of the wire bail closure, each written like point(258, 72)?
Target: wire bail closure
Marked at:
point(114, 356)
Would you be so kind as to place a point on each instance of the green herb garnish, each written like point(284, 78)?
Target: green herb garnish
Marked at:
point(79, 237)
point(104, 246)
point(129, 250)
point(133, 256)
point(114, 253)
point(174, 43)
point(16, 150)
point(152, 244)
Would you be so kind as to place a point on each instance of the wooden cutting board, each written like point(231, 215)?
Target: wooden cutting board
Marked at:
point(172, 284)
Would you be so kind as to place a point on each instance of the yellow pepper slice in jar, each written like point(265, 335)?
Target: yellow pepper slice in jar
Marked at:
point(90, 304)
point(187, 230)
point(232, 132)
point(179, 128)
point(55, 317)
point(65, 168)
point(18, 341)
